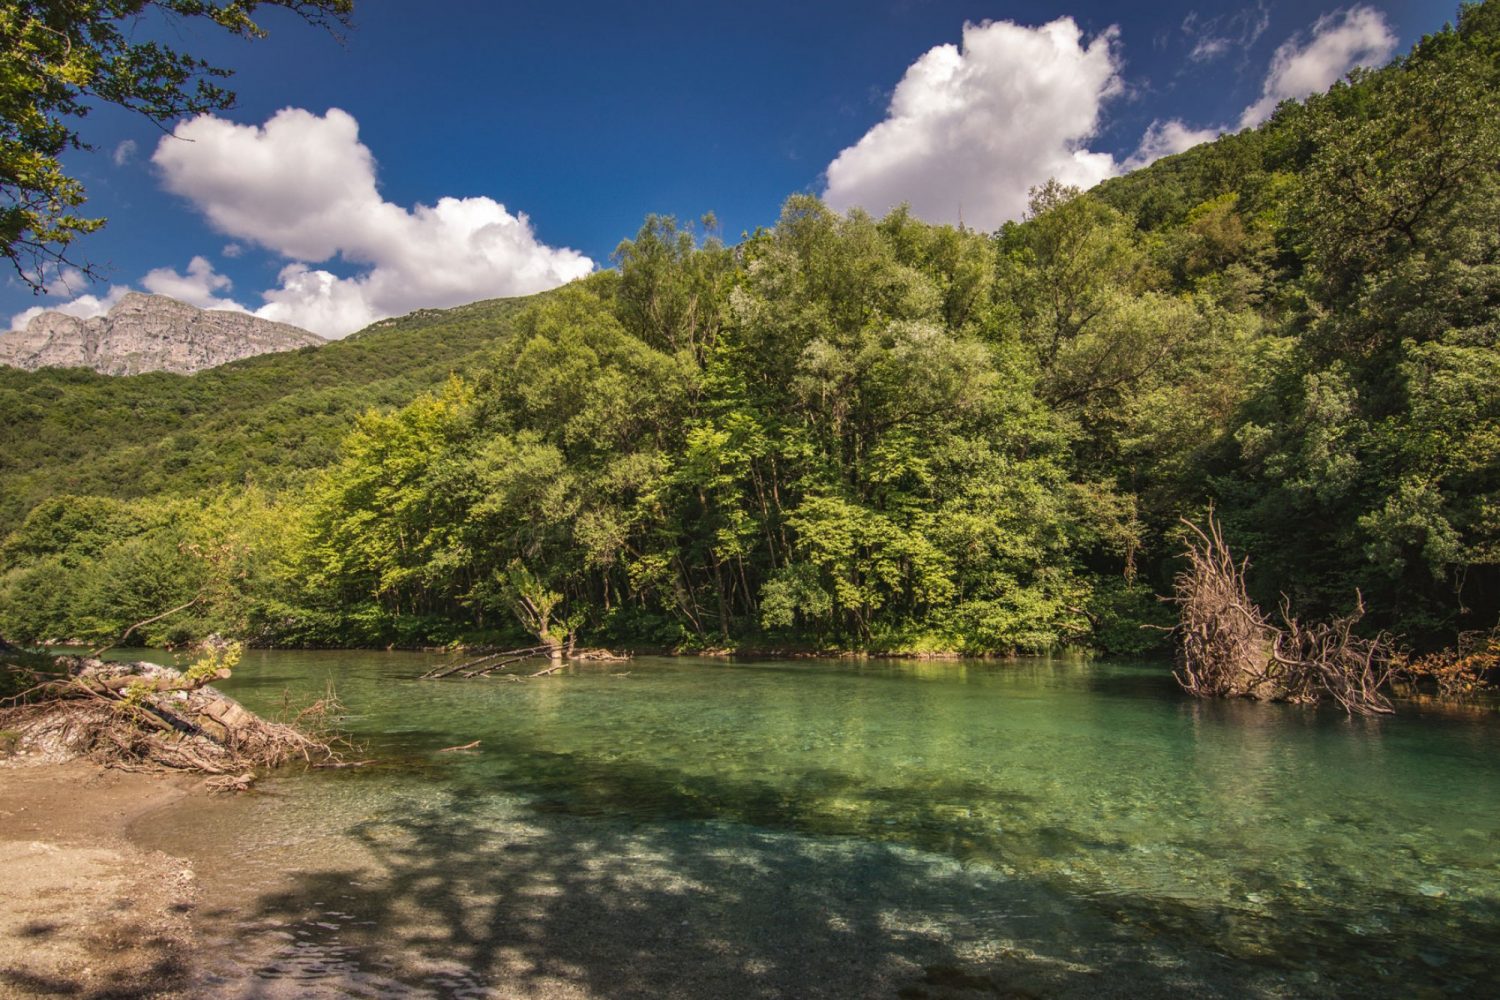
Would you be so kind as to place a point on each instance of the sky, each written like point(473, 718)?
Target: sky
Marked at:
point(445, 152)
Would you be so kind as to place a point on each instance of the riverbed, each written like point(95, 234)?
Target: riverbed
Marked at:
point(708, 828)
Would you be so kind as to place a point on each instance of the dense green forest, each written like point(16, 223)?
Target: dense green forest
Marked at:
point(848, 432)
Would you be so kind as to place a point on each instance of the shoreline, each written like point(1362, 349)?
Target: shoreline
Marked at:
point(712, 653)
point(89, 913)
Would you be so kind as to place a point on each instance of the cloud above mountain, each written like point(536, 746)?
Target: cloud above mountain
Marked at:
point(304, 187)
point(972, 127)
point(200, 286)
point(1163, 138)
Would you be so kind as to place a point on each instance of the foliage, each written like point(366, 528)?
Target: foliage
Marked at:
point(853, 432)
point(272, 419)
point(63, 56)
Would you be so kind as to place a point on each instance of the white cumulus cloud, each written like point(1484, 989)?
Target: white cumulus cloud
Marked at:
point(318, 300)
point(65, 281)
point(83, 307)
point(972, 128)
point(1339, 42)
point(198, 287)
point(124, 152)
point(1163, 138)
point(303, 186)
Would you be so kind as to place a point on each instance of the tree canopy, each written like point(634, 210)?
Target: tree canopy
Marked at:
point(850, 432)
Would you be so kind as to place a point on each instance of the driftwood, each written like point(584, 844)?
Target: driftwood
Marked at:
point(144, 621)
point(466, 746)
point(600, 654)
point(488, 663)
point(493, 662)
point(1469, 671)
point(1230, 649)
point(142, 716)
point(102, 683)
point(224, 783)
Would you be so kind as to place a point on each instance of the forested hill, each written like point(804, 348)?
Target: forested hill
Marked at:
point(849, 432)
point(265, 419)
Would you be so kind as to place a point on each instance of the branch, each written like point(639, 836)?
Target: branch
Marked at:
point(156, 618)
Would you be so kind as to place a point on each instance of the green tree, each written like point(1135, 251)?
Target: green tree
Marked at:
point(64, 56)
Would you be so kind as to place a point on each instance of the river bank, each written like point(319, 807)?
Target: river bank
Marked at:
point(87, 912)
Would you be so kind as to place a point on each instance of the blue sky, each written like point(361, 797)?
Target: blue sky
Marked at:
point(587, 116)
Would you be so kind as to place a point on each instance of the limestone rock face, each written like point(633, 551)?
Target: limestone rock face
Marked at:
point(147, 333)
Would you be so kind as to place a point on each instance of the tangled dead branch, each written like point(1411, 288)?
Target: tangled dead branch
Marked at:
point(1230, 649)
point(1470, 671)
point(142, 716)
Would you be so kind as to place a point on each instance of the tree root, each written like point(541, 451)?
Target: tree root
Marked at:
point(145, 717)
point(1230, 649)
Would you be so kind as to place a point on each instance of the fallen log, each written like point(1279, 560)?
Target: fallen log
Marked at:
point(601, 654)
point(467, 668)
point(144, 622)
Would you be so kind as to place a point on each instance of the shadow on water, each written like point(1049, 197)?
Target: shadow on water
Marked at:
point(1038, 829)
point(563, 907)
point(474, 899)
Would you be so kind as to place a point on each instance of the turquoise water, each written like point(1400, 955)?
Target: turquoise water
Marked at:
point(847, 828)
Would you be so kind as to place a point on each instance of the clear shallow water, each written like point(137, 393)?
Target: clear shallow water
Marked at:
point(856, 828)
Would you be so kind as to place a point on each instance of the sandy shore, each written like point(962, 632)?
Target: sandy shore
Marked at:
point(85, 913)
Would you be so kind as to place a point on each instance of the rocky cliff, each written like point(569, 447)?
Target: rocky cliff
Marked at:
point(147, 333)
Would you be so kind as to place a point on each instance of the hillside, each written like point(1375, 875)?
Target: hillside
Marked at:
point(265, 418)
point(848, 432)
point(147, 333)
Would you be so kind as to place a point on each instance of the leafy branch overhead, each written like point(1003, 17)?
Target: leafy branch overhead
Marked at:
point(64, 57)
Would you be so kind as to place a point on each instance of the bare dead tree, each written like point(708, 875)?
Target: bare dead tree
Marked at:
point(1229, 648)
point(1225, 641)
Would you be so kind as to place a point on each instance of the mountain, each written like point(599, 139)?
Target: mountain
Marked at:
point(147, 333)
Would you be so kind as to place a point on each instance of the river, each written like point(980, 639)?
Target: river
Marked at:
point(680, 827)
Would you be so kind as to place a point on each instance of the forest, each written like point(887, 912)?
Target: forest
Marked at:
point(851, 433)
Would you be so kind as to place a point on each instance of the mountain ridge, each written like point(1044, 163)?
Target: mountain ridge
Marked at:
point(145, 333)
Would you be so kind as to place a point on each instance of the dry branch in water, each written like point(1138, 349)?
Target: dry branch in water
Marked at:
point(1230, 649)
point(494, 662)
point(1471, 670)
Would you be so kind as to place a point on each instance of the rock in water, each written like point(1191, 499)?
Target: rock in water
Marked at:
point(147, 333)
